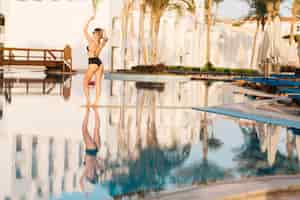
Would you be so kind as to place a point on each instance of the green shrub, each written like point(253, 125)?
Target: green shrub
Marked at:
point(208, 68)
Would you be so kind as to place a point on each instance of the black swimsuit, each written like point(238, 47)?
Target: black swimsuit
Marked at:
point(91, 152)
point(94, 60)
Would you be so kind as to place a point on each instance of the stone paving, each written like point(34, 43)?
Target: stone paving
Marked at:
point(257, 189)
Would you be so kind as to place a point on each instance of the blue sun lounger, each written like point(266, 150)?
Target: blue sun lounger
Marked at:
point(295, 131)
point(287, 76)
point(290, 90)
point(258, 115)
point(295, 97)
point(272, 82)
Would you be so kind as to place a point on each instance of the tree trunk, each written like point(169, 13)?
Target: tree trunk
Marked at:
point(267, 63)
point(142, 55)
point(155, 22)
point(155, 46)
point(208, 27)
point(151, 125)
point(125, 15)
point(204, 124)
point(152, 38)
point(292, 37)
point(132, 37)
point(254, 44)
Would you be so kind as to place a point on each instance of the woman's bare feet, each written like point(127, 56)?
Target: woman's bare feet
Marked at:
point(95, 104)
point(88, 104)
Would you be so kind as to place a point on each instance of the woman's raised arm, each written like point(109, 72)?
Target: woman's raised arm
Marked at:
point(86, 27)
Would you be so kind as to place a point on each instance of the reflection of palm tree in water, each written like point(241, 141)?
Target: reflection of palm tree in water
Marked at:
point(151, 137)
point(206, 170)
point(123, 139)
point(209, 141)
point(151, 125)
point(92, 146)
point(252, 157)
point(204, 123)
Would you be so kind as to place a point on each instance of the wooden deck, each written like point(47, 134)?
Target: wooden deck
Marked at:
point(46, 85)
point(50, 58)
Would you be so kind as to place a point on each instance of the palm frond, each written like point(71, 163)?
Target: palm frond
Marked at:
point(98, 2)
point(159, 6)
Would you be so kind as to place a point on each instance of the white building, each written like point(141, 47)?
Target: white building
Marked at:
point(53, 24)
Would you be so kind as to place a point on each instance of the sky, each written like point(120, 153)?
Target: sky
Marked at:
point(233, 9)
point(238, 8)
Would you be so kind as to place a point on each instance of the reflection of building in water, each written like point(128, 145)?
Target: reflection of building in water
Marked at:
point(175, 123)
point(12, 85)
point(269, 139)
point(41, 166)
point(261, 153)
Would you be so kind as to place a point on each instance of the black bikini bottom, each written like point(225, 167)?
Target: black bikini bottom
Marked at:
point(91, 152)
point(95, 60)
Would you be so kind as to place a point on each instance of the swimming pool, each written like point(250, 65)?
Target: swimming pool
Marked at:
point(151, 139)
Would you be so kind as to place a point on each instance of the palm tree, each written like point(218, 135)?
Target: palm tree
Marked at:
point(158, 8)
point(127, 8)
point(272, 8)
point(142, 54)
point(208, 6)
point(295, 11)
point(258, 10)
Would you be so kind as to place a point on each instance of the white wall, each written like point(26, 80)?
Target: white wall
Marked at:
point(53, 24)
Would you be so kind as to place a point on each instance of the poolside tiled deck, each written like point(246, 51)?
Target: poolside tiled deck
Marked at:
point(254, 188)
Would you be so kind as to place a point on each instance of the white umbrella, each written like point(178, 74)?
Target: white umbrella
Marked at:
point(277, 40)
point(270, 49)
point(273, 140)
point(265, 46)
point(261, 129)
point(298, 146)
point(288, 52)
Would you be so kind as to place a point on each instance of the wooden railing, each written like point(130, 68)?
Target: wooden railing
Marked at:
point(37, 57)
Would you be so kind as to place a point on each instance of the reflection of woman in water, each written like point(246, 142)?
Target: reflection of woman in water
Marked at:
point(92, 146)
point(96, 43)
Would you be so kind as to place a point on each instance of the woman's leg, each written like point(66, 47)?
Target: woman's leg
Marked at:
point(99, 76)
point(88, 141)
point(87, 77)
point(97, 138)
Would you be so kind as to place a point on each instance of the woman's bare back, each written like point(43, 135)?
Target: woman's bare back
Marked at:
point(94, 49)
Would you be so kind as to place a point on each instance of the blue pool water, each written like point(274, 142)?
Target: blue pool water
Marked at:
point(151, 139)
